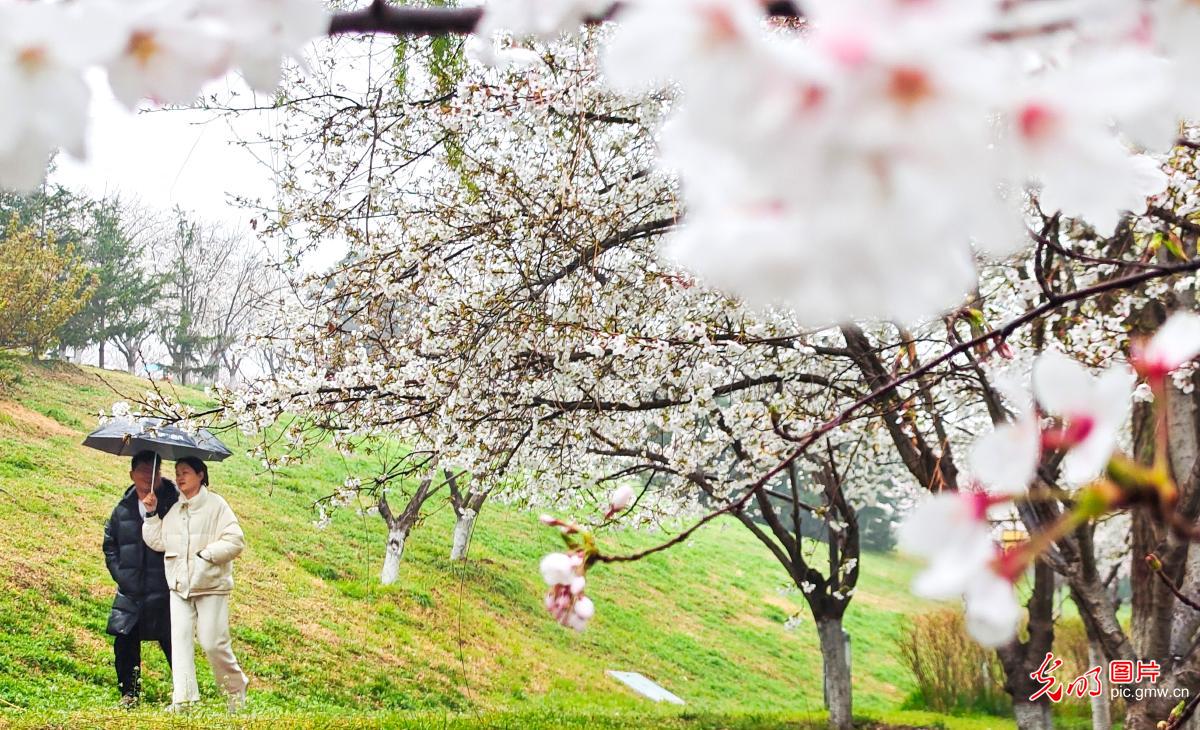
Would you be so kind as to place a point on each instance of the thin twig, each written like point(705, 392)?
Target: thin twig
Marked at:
point(1156, 566)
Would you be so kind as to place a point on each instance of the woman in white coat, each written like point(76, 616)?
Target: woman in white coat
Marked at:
point(199, 538)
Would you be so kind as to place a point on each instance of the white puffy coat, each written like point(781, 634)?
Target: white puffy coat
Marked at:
point(199, 538)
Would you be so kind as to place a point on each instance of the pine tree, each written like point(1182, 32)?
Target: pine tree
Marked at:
point(121, 309)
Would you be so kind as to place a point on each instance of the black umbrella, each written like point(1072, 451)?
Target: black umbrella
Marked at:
point(126, 437)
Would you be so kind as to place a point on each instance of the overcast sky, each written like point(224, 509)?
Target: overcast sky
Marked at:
point(167, 158)
point(192, 159)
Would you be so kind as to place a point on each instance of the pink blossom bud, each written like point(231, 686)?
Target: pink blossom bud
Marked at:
point(584, 608)
point(1175, 343)
point(621, 498)
point(557, 569)
point(577, 585)
point(1074, 432)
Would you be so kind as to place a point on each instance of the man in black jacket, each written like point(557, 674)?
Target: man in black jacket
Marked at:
point(141, 610)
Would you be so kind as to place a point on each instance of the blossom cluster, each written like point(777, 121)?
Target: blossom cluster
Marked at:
point(1076, 414)
point(564, 572)
point(156, 50)
point(851, 165)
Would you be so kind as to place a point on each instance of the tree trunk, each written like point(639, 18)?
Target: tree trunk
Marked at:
point(399, 527)
point(1138, 717)
point(467, 508)
point(395, 551)
point(1102, 705)
point(835, 654)
point(130, 360)
point(1021, 659)
point(462, 534)
point(101, 354)
point(1034, 715)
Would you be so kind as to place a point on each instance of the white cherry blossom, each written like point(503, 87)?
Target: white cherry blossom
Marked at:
point(1005, 460)
point(1092, 408)
point(540, 19)
point(620, 499)
point(265, 33)
point(168, 55)
point(951, 532)
point(44, 50)
point(992, 611)
point(1174, 344)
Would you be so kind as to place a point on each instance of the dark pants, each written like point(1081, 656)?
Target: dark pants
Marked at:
point(128, 651)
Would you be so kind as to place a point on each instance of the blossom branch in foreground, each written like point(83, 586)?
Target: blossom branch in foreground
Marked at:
point(1182, 713)
point(1000, 333)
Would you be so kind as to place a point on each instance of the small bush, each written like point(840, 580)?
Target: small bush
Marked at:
point(952, 672)
point(10, 373)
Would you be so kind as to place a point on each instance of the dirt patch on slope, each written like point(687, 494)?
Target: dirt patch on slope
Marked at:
point(29, 420)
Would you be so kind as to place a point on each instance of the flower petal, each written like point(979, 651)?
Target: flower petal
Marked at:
point(1177, 341)
point(993, 613)
point(1061, 385)
point(1006, 459)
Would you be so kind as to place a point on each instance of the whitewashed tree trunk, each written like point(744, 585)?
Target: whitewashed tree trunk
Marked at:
point(1034, 715)
point(399, 527)
point(395, 551)
point(466, 507)
point(462, 534)
point(835, 653)
point(1101, 709)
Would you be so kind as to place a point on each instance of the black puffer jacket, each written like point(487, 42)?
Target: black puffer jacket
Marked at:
point(142, 603)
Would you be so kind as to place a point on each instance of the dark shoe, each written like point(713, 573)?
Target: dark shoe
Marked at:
point(128, 702)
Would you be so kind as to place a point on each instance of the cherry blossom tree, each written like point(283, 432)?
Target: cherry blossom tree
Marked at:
point(528, 352)
point(830, 180)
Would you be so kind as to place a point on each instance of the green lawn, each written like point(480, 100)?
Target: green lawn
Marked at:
point(449, 646)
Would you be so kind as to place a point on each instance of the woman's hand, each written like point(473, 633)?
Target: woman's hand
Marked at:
point(151, 502)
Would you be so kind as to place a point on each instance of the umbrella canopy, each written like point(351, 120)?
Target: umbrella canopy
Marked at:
point(126, 437)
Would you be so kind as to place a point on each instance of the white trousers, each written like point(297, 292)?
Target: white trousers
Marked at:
point(205, 618)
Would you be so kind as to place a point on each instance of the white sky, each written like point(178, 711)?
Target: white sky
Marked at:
point(165, 159)
point(181, 157)
point(192, 159)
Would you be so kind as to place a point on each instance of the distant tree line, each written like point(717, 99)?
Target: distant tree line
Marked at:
point(116, 279)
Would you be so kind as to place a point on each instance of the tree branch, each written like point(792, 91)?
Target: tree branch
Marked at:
point(1004, 331)
point(387, 19)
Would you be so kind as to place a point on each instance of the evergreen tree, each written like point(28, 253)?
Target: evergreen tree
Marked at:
point(186, 302)
point(42, 285)
point(120, 310)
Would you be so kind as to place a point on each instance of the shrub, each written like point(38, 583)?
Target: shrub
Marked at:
point(952, 672)
point(42, 285)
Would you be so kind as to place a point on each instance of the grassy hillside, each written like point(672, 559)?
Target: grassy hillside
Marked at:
point(321, 639)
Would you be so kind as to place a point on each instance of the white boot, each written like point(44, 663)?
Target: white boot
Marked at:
point(237, 700)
